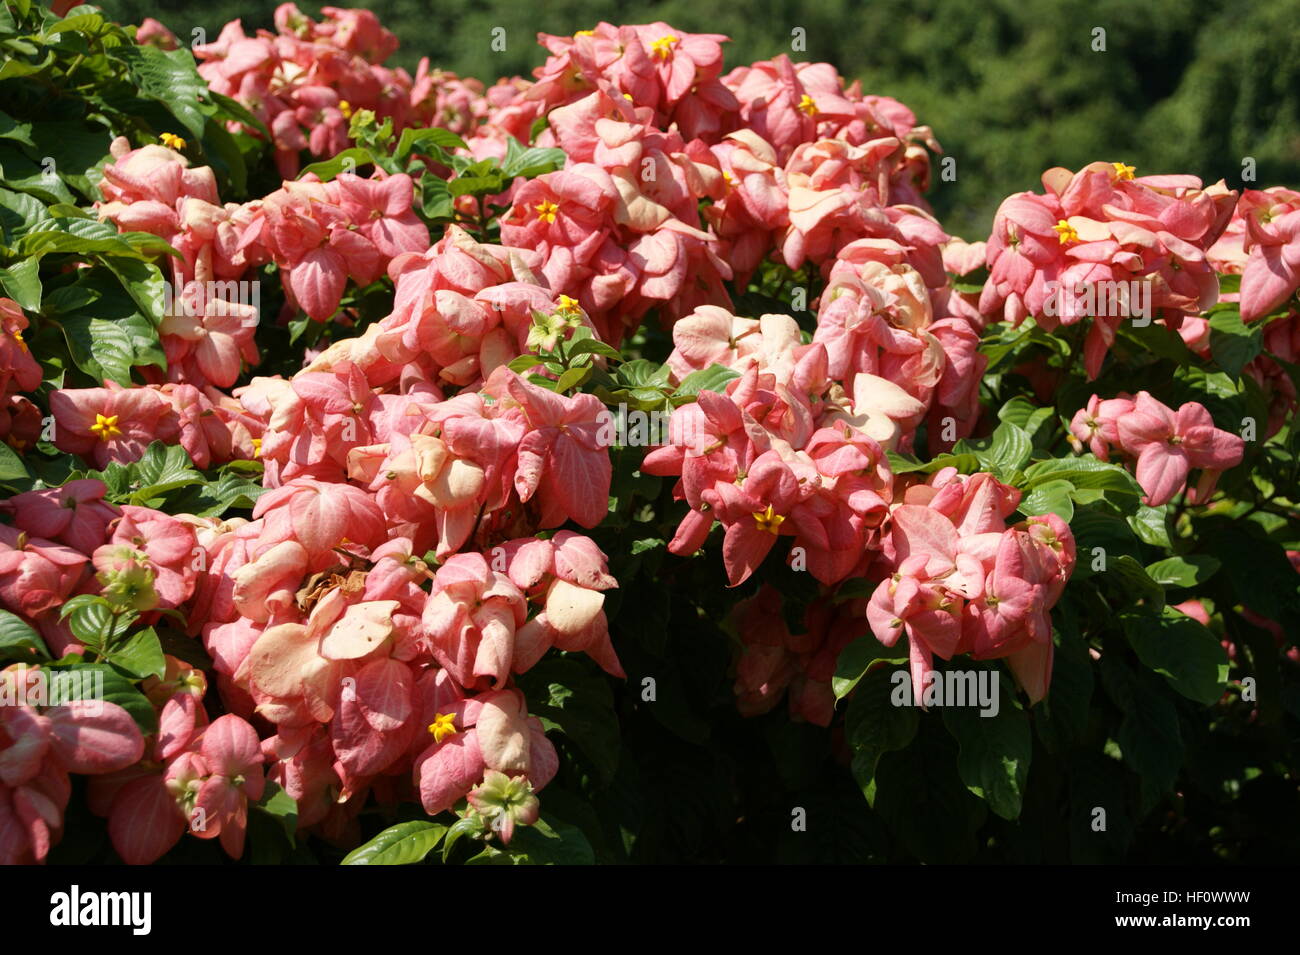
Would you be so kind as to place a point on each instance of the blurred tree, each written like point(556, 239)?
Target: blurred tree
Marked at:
point(1011, 87)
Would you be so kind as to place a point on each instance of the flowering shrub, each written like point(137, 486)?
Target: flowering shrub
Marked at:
point(338, 404)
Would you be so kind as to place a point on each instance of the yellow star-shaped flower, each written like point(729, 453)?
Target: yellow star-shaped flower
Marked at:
point(807, 106)
point(1065, 232)
point(1122, 171)
point(546, 210)
point(663, 47)
point(106, 427)
point(768, 520)
point(443, 725)
point(172, 141)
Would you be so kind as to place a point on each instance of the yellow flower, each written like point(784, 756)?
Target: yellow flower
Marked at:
point(663, 47)
point(1065, 232)
point(807, 106)
point(443, 725)
point(106, 427)
point(768, 520)
point(345, 108)
point(546, 210)
point(18, 337)
point(1122, 171)
point(568, 307)
point(584, 33)
point(172, 141)
point(257, 447)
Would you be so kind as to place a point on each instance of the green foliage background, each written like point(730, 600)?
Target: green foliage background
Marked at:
point(1011, 87)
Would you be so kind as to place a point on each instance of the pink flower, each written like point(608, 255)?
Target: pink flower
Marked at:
point(1097, 425)
point(215, 783)
point(1272, 241)
point(36, 575)
point(111, 423)
point(1168, 444)
point(74, 514)
point(18, 369)
point(561, 460)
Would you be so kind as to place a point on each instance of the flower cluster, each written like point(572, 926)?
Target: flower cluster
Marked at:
point(1165, 444)
point(433, 477)
point(1142, 240)
point(964, 582)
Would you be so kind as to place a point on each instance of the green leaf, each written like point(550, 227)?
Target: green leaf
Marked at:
point(171, 78)
point(141, 654)
point(1006, 450)
point(1027, 416)
point(1150, 525)
point(86, 237)
point(19, 641)
point(162, 468)
point(347, 161)
point(22, 283)
point(1134, 578)
point(101, 681)
point(874, 726)
point(713, 378)
point(1083, 472)
point(466, 826)
point(1051, 497)
point(570, 695)
point(854, 660)
point(21, 214)
point(12, 467)
point(1065, 711)
point(594, 346)
point(1186, 571)
point(1149, 737)
point(922, 799)
point(1181, 650)
point(100, 348)
point(995, 752)
point(432, 141)
point(89, 616)
point(10, 128)
point(572, 379)
point(436, 198)
point(530, 162)
point(551, 842)
point(1233, 343)
point(403, 844)
point(524, 363)
point(966, 463)
point(282, 807)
